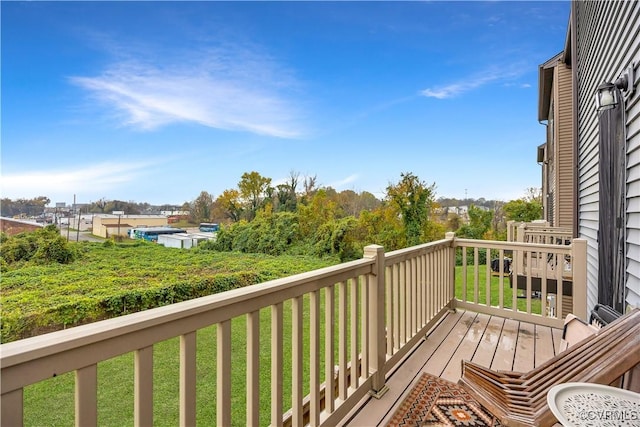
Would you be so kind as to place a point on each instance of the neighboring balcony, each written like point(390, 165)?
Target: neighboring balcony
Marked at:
point(338, 332)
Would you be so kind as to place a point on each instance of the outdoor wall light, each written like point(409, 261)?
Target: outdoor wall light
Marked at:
point(608, 94)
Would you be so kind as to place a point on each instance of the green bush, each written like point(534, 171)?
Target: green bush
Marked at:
point(338, 237)
point(42, 246)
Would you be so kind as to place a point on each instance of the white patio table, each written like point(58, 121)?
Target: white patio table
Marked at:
point(586, 404)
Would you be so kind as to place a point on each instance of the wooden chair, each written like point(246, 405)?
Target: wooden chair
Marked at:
point(519, 399)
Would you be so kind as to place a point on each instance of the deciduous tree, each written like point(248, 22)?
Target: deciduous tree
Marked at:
point(522, 210)
point(201, 207)
point(413, 198)
point(229, 200)
point(252, 188)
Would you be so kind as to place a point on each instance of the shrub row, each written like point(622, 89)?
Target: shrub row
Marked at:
point(86, 309)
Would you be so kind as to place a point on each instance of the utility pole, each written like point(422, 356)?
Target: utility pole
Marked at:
point(70, 216)
point(119, 213)
point(78, 229)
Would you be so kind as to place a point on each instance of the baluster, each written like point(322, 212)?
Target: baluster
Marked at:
point(488, 277)
point(314, 358)
point(276, 365)
point(143, 387)
point(87, 396)
point(188, 371)
point(296, 362)
point(11, 408)
point(342, 340)
point(476, 279)
point(253, 368)
point(223, 373)
point(354, 376)
point(364, 332)
point(388, 271)
point(329, 370)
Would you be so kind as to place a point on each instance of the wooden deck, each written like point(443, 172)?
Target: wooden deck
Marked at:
point(494, 342)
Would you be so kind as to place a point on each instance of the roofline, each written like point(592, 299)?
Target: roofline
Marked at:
point(545, 83)
point(566, 55)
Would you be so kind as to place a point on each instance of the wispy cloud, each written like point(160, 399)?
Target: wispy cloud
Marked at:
point(224, 88)
point(472, 82)
point(90, 179)
point(345, 181)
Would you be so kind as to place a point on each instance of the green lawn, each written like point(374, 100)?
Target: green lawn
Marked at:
point(494, 290)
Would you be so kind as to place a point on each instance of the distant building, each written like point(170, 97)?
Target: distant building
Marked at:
point(184, 240)
point(108, 225)
point(175, 213)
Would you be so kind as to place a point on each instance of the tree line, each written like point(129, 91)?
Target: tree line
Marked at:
point(301, 217)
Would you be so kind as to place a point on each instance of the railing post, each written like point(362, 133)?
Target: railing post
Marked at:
point(518, 256)
point(522, 228)
point(510, 228)
point(579, 266)
point(451, 275)
point(377, 326)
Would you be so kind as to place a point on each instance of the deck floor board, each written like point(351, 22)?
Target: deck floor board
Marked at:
point(524, 359)
point(489, 342)
point(544, 345)
point(466, 349)
point(462, 335)
point(442, 356)
point(505, 352)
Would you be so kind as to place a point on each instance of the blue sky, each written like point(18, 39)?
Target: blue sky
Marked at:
point(158, 101)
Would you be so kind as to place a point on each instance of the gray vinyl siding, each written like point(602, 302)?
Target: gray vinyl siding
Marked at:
point(633, 193)
point(607, 42)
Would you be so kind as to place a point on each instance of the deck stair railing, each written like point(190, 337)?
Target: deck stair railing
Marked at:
point(362, 318)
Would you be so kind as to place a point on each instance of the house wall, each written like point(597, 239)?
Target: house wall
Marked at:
point(552, 194)
point(606, 41)
point(555, 106)
point(564, 203)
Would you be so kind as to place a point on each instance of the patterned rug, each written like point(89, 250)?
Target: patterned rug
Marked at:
point(437, 402)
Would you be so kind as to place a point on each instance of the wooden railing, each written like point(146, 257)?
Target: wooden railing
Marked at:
point(538, 232)
point(419, 290)
point(550, 277)
point(371, 312)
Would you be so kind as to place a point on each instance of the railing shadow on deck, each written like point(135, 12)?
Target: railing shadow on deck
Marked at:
point(364, 317)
